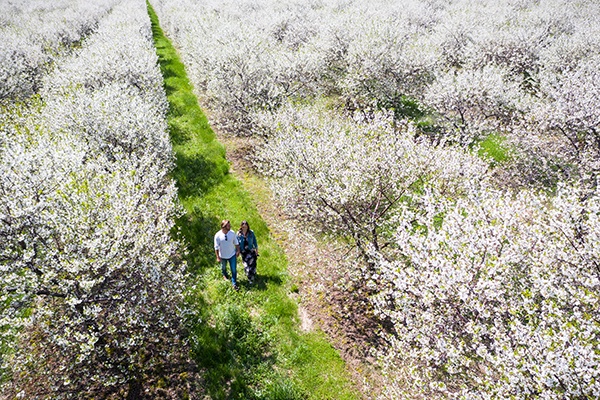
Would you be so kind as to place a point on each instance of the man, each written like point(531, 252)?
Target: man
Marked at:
point(227, 248)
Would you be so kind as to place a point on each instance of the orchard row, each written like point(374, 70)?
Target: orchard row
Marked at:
point(90, 277)
point(35, 33)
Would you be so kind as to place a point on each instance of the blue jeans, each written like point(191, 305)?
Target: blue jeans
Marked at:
point(232, 265)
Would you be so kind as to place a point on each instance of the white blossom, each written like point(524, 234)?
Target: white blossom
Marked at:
point(90, 283)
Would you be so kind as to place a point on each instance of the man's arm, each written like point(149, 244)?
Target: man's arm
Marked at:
point(217, 249)
point(237, 245)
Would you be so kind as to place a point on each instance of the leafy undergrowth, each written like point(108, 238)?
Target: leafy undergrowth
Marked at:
point(248, 343)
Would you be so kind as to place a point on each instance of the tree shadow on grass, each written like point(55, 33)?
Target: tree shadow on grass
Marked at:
point(196, 227)
point(169, 70)
point(230, 350)
point(196, 175)
point(178, 134)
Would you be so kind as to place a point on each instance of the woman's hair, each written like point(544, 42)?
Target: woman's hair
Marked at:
point(242, 224)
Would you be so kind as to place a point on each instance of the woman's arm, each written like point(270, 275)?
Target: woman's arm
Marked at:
point(254, 243)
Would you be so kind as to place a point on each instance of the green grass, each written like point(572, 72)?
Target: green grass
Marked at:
point(494, 149)
point(248, 343)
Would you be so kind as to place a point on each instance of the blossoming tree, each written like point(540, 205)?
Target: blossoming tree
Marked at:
point(91, 279)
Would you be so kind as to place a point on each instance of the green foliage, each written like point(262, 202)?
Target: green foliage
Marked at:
point(495, 149)
point(406, 107)
point(282, 389)
point(246, 343)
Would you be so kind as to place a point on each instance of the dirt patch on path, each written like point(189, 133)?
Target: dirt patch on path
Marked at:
point(325, 297)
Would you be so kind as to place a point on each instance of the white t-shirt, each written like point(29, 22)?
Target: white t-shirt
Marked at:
point(226, 243)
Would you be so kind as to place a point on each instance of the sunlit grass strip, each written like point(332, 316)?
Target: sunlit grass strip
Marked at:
point(248, 343)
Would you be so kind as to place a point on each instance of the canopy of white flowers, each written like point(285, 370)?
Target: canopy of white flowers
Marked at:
point(90, 280)
point(371, 114)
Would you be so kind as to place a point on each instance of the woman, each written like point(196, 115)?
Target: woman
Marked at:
point(249, 250)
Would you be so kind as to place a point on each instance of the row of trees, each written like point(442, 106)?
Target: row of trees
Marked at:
point(91, 281)
point(463, 69)
point(485, 274)
point(36, 33)
point(491, 294)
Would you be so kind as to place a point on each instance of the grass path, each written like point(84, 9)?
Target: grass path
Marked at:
point(248, 343)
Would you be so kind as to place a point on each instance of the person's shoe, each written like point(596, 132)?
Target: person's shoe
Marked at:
point(236, 288)
point(225, 277)
point(251, 281)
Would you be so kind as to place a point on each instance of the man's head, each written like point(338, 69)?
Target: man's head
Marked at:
point(225, 225)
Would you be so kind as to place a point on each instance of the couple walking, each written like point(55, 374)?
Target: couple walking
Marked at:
point(228, 246)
